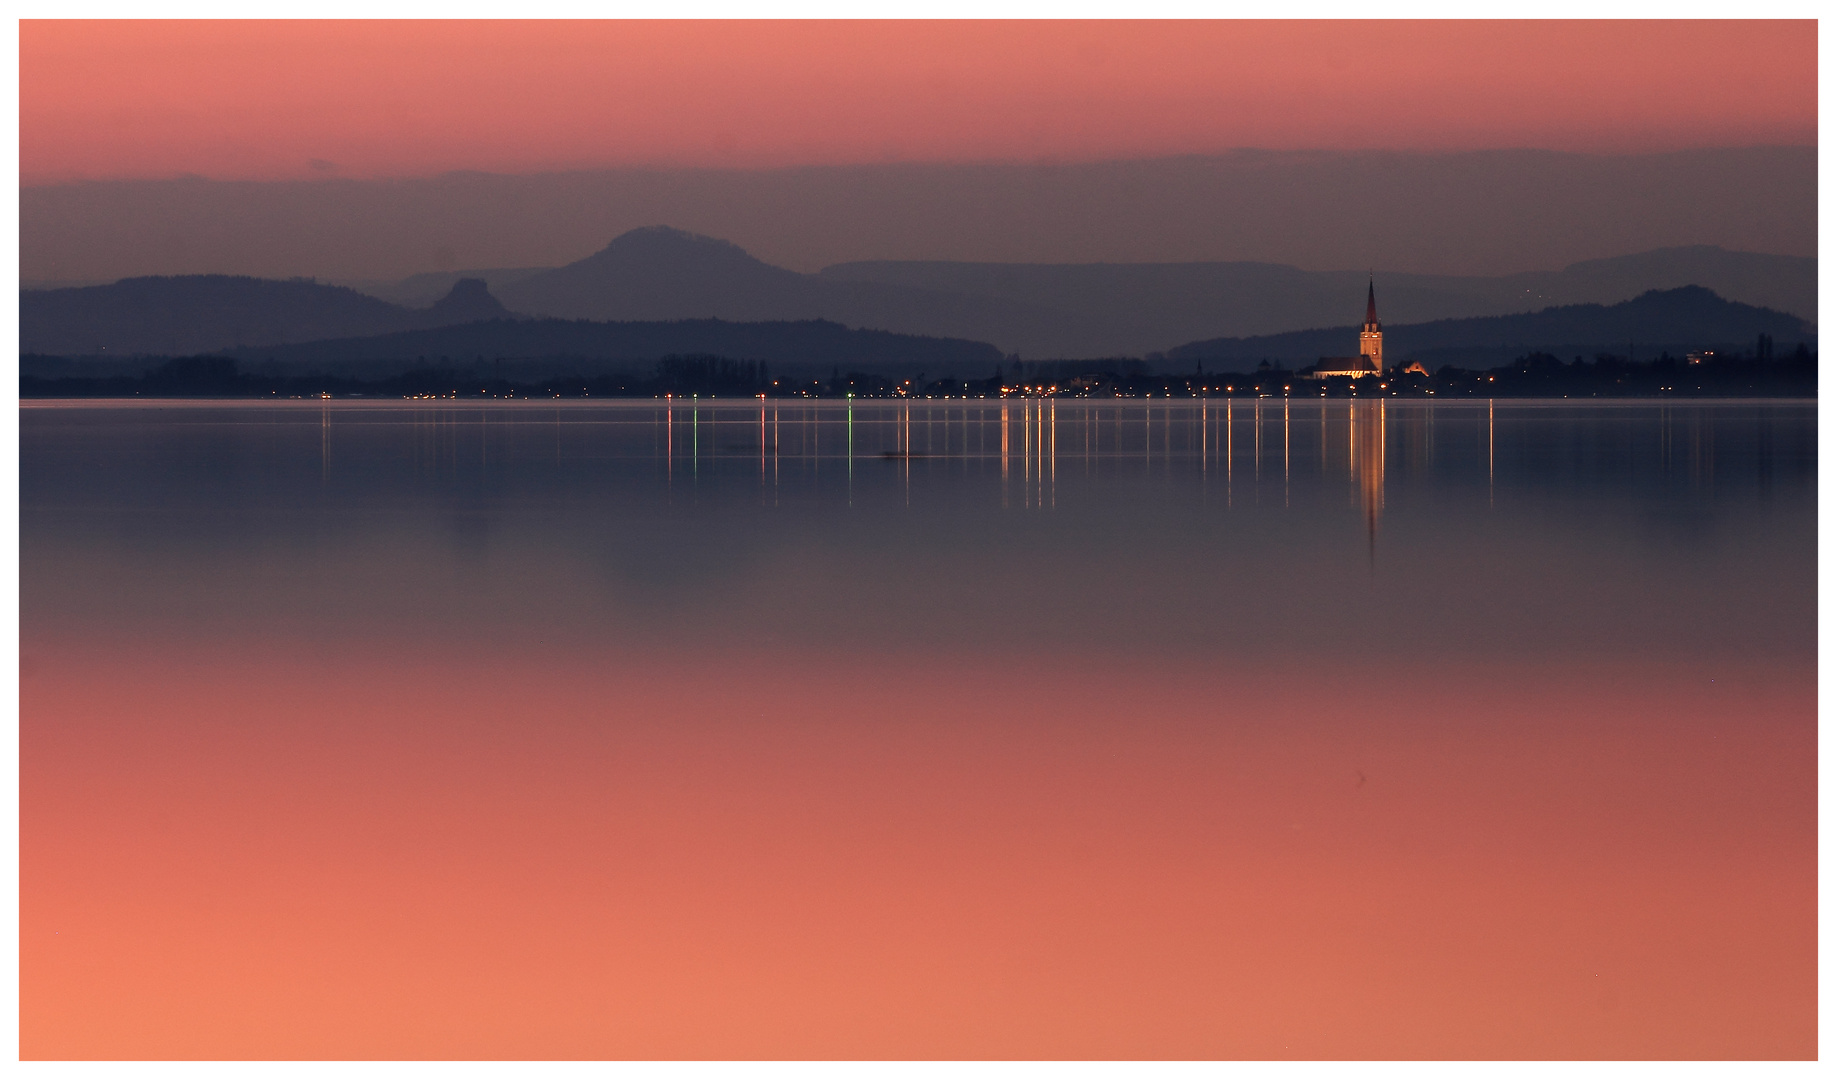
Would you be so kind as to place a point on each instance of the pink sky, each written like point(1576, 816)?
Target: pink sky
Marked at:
point(272, 100)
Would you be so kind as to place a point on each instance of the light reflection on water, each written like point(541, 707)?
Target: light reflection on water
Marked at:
point(1241, 524)
point(1028, 728)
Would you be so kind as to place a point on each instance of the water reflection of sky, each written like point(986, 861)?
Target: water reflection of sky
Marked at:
point(1033, 730)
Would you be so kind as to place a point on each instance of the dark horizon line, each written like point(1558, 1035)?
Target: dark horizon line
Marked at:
point(1048, 162)
point(47, 284)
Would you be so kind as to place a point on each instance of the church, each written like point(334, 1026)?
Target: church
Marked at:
point(1370, 360)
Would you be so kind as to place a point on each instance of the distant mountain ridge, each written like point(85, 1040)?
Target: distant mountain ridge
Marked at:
point(1137, 304)
point(1674, 320)
point(1660, 320)
point(1042, 311)
point(660, 274)
point(1088, 310)
point(172, 316)
point(537, 351)
point(803, 345)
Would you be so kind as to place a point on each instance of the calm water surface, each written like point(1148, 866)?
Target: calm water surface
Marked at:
point(963, 729)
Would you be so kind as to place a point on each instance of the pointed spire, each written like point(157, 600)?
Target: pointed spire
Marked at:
point(1371, 304)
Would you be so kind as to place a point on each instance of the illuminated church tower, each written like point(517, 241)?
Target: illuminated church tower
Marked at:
point(1371, 335)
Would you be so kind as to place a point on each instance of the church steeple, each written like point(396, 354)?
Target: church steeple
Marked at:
point(1371, 335)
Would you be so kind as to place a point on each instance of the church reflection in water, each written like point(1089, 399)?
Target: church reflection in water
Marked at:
point(1248, 443)
point(1368, 421)
point(1277, 451)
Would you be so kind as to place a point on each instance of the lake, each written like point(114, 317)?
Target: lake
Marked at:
point(988, 729)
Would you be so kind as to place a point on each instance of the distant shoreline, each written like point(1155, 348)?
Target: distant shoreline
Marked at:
point(1538, 375)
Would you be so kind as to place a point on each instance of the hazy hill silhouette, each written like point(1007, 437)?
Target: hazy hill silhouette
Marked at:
point(171, 316)
point(1782, 282)
point(1672, 319)
point(803, 345)
point(666, 273)
point(660, 273)
point(468, 301)
point(1043, 311)
point(1464, 212)
point(1088, 310)
point(1134, 308)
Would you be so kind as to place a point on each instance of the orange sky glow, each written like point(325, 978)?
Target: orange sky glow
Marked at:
point(283, 100)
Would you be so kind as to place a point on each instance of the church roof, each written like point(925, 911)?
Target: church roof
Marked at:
point(1371, 304)
point(1343, 365)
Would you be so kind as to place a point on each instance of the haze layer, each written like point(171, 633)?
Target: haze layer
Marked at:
point(331, 148)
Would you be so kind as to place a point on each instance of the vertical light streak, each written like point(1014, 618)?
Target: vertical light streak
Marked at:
point(1053, 451)
point(1004, 455)
point(1323, 438)
point(1229, 443)
point(1026, 445)
point(1256, 429)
